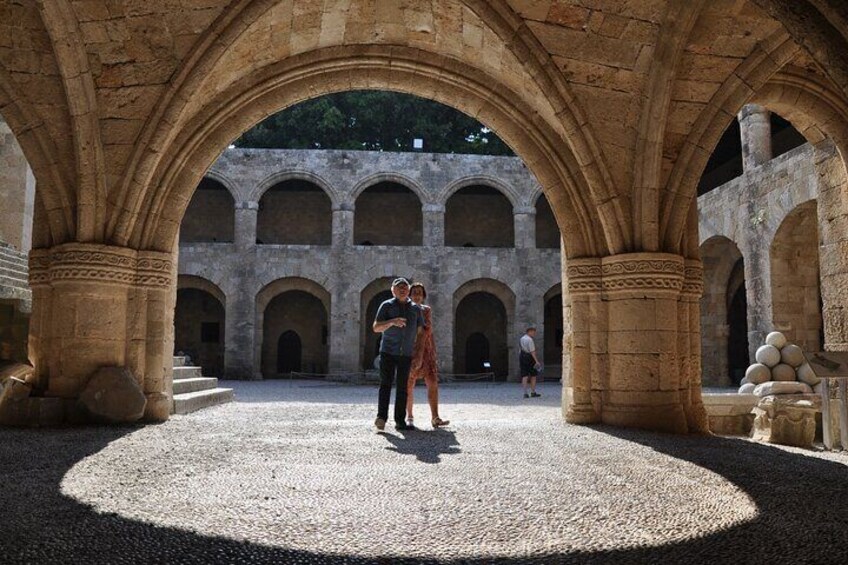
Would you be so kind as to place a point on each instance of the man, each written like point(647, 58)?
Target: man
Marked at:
point(400, 321)
point(528, 362)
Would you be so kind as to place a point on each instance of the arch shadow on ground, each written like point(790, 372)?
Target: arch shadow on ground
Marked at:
point(802, 502)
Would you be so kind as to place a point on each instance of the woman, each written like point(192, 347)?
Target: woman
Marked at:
point(424, 363)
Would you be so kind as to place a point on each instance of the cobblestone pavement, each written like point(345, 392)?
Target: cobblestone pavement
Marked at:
point(296, 473)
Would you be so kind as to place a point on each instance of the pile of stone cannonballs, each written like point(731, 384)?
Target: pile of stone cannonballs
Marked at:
point(780, 369)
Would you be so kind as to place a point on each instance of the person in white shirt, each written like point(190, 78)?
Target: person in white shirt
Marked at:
point(528, 362)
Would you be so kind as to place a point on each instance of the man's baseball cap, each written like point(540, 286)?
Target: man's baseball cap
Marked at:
point(399, 281)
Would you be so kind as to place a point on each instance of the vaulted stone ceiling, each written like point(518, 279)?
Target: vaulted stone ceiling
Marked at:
point(121, 105)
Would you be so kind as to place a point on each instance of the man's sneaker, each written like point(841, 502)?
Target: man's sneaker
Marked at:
point(526, 395)
point(380, 423)
point(535, 395)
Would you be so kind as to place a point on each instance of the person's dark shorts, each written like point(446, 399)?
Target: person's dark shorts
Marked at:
point(527, 365)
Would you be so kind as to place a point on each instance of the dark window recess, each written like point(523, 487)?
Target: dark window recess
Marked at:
point(210, 332)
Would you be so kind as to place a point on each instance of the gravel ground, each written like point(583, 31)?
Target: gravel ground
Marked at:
point(296, 473)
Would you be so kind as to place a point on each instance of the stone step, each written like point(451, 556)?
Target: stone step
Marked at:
point(183, 386)
point(193, 401)
point(187, 373)
point(15, 266)
point(179, 361)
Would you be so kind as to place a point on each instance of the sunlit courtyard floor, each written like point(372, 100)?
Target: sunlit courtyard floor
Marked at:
point(295, 472)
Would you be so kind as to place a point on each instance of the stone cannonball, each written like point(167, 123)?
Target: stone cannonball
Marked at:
point(791, 354)
point(768, 355)
point(806, 375)
point(757, 374)
point(747, 388)
point(783, 372)
point(776, 339)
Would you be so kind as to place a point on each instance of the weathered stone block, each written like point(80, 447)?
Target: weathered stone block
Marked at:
point(787, 420)
point(113, 395)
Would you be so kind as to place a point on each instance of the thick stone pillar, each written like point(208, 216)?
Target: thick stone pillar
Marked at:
point(344, 331)
point(525, 227)
point(634, 351)
point(343, 226)
point(240, 333)
point(434, 225)
point(758, 291)
point(98, 305)
point(755, 127)
point(247, 214)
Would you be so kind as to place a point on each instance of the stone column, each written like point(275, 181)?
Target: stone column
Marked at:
point(525, 227)
point(247, 214)
point(344, 331)
point(343, 226)
point(434, 225)
point(98, 305)
point(755, 127)
point(757, 289)
point(240, 332)
point(633, 349)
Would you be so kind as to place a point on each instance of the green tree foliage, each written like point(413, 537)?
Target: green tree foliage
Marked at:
point(373, 121)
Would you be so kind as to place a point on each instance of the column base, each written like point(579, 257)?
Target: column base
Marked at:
point(670, 418)
point(158, 407)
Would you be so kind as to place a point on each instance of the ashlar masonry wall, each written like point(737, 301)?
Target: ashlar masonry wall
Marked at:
point(520, 274)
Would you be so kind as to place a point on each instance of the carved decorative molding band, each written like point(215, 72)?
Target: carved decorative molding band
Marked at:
point(693, 278)
point(80, 262)
point(584, 276)
point(643, 272)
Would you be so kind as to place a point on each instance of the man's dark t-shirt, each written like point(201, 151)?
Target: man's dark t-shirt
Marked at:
point(400, 341)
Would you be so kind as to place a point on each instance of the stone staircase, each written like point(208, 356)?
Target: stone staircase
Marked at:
point(193, 391)
point(14, 278)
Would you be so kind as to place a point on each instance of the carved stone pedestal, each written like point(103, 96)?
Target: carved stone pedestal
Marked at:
point(786, 419)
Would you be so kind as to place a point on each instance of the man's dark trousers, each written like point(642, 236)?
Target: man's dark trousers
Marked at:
point(391, 367)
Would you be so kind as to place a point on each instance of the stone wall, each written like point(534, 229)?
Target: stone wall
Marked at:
point(346, 276)
point(768, 218)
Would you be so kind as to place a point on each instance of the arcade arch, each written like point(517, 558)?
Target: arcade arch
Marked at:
point(371, 297)
point(553, 329)
point(484, 318)
point(388, 213)
point(210, 216)
point(547, 231)
point(479, 216)
point(295, 212)
point(723, 280)
point(199, 323)
point(292, 311)
point(796, 294)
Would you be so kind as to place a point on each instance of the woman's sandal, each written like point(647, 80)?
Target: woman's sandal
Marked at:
point(438, 422)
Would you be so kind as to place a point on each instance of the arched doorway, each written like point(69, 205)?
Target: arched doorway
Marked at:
point(554, 333)
point(199, 319)
point(724, 279)
point(294, 316)
point(477, 354)
point(737, 323)
point(289, 353)
point(481, 317)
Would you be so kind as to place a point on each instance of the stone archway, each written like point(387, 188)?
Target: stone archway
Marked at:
point(554, 333)
point(487, 307)
point(388, 213)
point(720, 256)
point(479, 216)
point(548, 234)
point(292, 304)
point(294, 320)
point(295, 212)
point(199, 323)
point(796, 291)
point(210, 216)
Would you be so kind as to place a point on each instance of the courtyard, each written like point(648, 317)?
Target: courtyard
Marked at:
point(294, 472)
